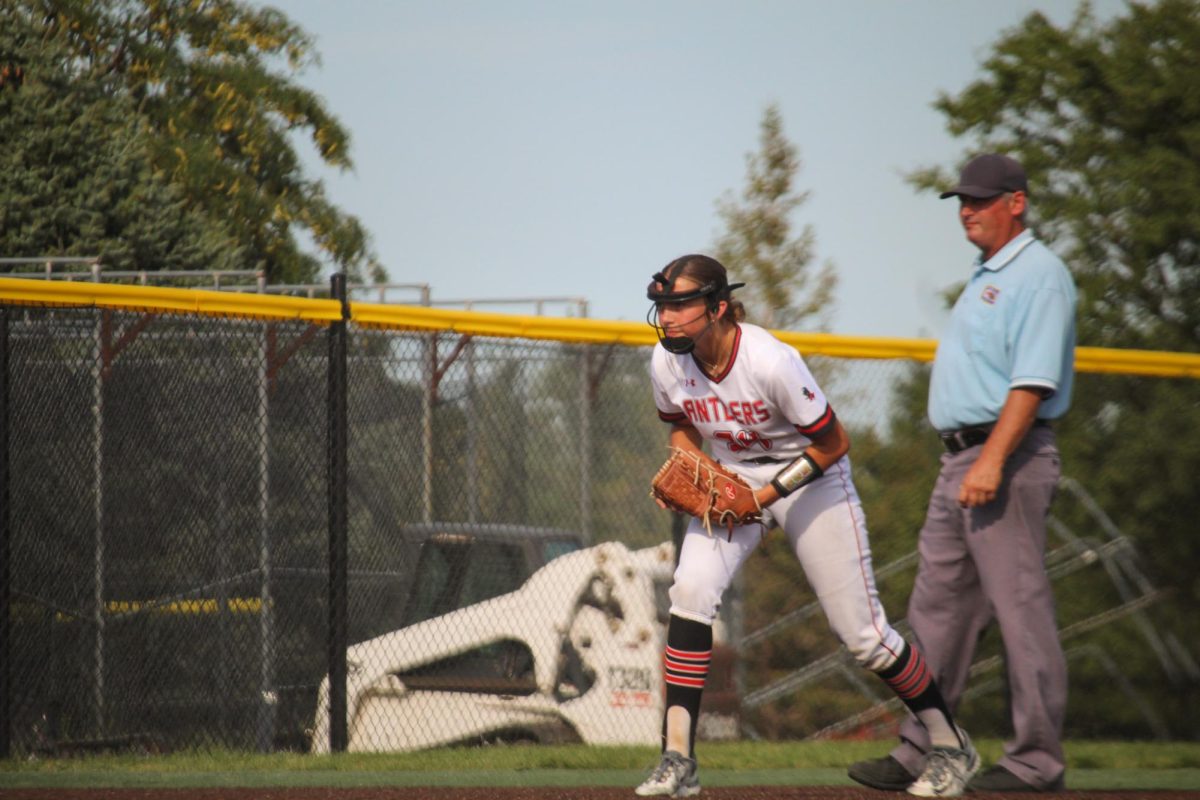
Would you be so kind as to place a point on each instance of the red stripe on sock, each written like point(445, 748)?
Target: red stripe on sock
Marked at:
point(913, 686)
point(914, 679)
point(676, 680)
point(915, 664)
point(910, 693)
point(689, 655)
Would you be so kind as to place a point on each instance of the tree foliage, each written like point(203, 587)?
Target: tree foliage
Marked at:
point(783, 290)
point(77, 178)
point(1106, 119)
point(207, 87)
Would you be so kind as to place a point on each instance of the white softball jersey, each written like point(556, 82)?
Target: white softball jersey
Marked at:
point(764, 404)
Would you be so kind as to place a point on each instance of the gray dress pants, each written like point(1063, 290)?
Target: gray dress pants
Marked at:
point(988, 563)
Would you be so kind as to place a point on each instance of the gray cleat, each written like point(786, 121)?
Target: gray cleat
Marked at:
point(947, 770)
point(675, 776)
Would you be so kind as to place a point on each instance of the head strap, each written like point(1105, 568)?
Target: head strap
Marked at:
point(661, 289)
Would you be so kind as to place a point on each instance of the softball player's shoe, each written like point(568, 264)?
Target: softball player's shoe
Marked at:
point(947, 770)
point(675, 776)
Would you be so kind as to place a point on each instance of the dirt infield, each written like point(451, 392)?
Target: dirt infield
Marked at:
point(523, 793)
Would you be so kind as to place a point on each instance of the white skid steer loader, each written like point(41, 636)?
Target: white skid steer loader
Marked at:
point(574, 654)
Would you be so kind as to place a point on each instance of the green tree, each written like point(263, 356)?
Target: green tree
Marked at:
point(76, 175)
point(210, 83)
point(1106, 119)
point(783, 290)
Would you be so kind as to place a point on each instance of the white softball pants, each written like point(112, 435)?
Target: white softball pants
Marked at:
point(826, 527)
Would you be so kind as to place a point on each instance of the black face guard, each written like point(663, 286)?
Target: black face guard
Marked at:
point(660, 291)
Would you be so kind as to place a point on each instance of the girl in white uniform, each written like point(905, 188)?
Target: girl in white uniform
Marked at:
point(752, 397)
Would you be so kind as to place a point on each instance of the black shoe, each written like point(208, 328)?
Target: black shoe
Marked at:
point(998, 779)
point(884, 773)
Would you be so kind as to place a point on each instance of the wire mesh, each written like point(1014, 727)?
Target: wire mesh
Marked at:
point(170, 562)
point(168, 524)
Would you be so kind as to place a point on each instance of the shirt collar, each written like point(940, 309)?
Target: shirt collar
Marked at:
point(1007, 253)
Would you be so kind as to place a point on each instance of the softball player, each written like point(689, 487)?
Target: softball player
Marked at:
point(720, 380)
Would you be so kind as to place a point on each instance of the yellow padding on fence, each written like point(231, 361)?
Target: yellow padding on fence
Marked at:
point(589, 331)
point(1137, 362)
point(160, 298)
point(593, 331)
point(479, 323)
point(483, 323)
point(835, 346)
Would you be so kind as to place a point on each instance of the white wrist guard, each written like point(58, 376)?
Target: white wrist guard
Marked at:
point(800, 472)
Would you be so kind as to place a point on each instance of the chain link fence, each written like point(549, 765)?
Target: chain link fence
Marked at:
point(170, 568)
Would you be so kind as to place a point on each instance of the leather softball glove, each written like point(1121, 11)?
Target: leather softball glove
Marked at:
point(693, 484)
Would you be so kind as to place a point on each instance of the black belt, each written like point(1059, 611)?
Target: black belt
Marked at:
point(764, 460)
point(973, 435)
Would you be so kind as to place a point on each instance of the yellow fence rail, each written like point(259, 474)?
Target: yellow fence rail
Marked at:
point(476, 323)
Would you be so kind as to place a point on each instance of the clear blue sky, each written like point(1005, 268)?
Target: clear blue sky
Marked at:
point(520, 148)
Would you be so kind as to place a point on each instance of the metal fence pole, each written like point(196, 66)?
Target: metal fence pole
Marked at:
point(585, 443)
point(429, 373)
point(338, 545)
point(472, 438)
point(267, 698)
point(101, 364)
point(5, 576)
point(427, 388)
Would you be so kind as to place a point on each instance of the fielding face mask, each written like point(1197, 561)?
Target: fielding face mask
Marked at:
point(662, 290)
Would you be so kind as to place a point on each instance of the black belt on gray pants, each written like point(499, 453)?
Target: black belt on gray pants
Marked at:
point(963, 438)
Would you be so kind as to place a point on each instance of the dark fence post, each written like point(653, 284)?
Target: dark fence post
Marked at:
point(5, 576)
point(338, 545)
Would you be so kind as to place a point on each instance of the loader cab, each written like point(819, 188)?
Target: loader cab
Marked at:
point(460, 564)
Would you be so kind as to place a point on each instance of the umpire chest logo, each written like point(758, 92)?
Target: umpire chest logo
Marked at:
point(989, 294)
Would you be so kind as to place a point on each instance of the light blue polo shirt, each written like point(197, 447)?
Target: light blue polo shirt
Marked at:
point(1013, 326)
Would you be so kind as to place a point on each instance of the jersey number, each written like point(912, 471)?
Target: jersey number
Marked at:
point(743, 440)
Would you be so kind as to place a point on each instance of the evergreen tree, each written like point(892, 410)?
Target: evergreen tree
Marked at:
point(75, 173)
point(757, 247)
point(217, 116)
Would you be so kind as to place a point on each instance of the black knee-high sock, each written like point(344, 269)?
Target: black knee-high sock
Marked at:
point(913, 683)
point(685, 668)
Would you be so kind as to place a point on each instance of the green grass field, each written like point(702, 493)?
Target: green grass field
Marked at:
point(1091, 765)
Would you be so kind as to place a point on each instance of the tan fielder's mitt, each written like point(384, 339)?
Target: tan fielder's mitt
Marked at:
point(693, 484)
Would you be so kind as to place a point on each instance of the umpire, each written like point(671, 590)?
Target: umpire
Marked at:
point(1002, 372)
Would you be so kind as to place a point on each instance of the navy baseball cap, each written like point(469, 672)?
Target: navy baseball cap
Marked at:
point(987, 176)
